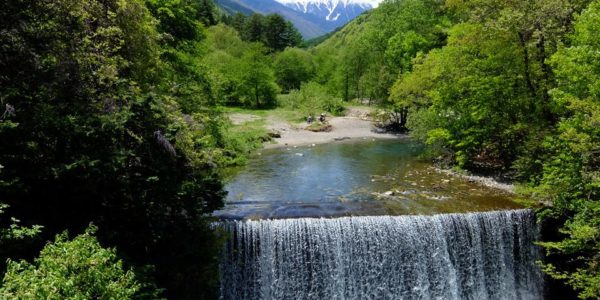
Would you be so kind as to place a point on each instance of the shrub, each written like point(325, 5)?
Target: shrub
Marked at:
point(312, 99)
point(76, 269)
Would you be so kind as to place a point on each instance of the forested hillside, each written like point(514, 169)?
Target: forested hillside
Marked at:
point(110, 117)
point(493, 87)
point(114, 137)
point(499, 88)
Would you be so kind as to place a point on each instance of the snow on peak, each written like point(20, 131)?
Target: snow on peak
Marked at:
point(331, 3)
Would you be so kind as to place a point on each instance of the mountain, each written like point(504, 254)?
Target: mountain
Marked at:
point(312, 17)
point(332, 13)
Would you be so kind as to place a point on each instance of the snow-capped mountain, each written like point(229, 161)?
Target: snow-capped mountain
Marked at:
point(332, 10)
point(312, 17)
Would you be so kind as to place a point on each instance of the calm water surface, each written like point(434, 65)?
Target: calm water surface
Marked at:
point(351, 178)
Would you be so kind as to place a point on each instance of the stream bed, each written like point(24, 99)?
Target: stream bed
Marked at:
point(352, 178)
point(368, 219)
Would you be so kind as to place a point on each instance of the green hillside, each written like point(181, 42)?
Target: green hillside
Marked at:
point(121, 123)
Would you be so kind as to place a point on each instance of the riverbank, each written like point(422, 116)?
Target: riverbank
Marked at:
point(356, 124)
point(481, 180)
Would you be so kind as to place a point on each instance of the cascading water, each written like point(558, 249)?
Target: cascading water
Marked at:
point(487, 255)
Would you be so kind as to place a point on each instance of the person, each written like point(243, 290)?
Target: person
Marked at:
point(309, 120)
point(322, 118)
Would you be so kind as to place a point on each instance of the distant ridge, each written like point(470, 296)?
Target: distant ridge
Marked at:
point(313, 18)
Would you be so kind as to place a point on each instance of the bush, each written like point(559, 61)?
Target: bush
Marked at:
point(312, 99)
point(77, 269)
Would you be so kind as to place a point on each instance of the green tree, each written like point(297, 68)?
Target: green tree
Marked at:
point(254, 28)
point(238, 22)
point(293, 67)
point(312, 99)
point(571, 175)
point(206, 11)
point(539, 27)
point(14, 238)
point(483, 118)
point(183, 75)
point(180, 19)
point(77, 269)
point(257, 84)
point(280, 34)
point(92, 134)
point(364, 59)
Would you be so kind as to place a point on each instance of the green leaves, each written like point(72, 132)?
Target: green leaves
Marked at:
point(91, 82)
point(182, 19)
point(312, 99)
point(364, 59)
point(273, 31)
point(571, 177)
point(515, 90)
point(77, 269)
point(293, 67)
point(15, 232)
point(257, 85)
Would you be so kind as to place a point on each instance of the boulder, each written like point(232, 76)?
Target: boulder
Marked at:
point(275, 134)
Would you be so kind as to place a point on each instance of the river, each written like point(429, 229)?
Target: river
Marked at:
point(370, 220)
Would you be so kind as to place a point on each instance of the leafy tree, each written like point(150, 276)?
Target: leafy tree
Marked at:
point(77, 269)
point(206, 12)
point(312, 99)
point(470, 96)
point(14, 238)
point(238, 22)
point(293, 67)
point(180, 19)
point(227, 39)
point(539, 27)
point(257, 78)
point(225, 50)
point(92, 134)
point(254, 28)
point(280, 34)
point(571, 175)
point(273, 30)
point(183, 75)
point(364, 58)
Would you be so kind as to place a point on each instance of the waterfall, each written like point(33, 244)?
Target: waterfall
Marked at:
point(487, 255)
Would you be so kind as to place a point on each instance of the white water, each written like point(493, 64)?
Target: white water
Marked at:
point(456, 256)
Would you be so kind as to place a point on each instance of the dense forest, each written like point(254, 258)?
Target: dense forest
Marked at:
point(114, 137)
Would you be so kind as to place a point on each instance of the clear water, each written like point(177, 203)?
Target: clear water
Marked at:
point(434, 237)
point(351, 179)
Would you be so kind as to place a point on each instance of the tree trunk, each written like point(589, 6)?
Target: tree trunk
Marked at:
point(256, 95)
point(546, 72)
point(347, 88)
point(403, 118)
point(523, 43)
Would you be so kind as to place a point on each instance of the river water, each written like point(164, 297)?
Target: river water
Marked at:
point(352, 179)
point(369, 220)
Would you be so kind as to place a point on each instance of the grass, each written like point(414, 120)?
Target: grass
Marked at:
point(286, 114)
point(244, 139)
point(244, 110)
point(291, 116)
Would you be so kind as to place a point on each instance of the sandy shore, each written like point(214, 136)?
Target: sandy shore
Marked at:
point(355, 125)
point(344, 128)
